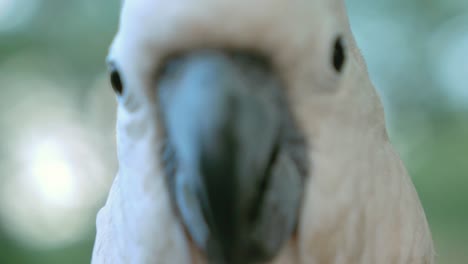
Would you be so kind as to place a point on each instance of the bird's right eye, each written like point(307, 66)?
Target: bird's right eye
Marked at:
point(339, 54)
point(116, 80)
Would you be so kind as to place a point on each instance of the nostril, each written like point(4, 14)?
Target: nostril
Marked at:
point(170, 66)
point(252, 58)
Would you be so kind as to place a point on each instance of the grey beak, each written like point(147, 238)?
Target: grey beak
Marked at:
point(231, 177)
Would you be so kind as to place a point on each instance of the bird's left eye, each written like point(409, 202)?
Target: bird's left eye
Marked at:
point(116, 80)
point(339, 54)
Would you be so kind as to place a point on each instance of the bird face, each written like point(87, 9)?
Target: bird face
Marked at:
point(232, 104)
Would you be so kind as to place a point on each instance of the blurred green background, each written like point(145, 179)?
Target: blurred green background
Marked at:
point(57, 114)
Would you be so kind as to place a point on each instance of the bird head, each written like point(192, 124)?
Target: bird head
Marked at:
point(258, 116)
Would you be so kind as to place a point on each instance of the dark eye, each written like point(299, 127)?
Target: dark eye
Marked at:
point(115, 80)
point(339, 54)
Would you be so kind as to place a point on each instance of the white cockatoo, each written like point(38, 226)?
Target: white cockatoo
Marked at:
point(249, 132)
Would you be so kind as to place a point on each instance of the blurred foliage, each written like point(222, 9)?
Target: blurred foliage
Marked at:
point(67, 42)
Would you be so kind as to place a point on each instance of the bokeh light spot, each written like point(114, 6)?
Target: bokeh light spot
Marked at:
point(52, 173)
point(54, 176)
point(16, 13)
point(448, 48)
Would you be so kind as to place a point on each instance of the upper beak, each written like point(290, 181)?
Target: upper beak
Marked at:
point(223, 114)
